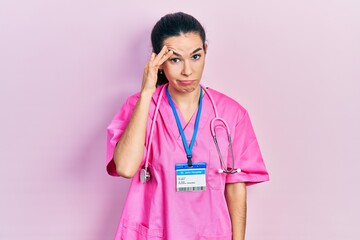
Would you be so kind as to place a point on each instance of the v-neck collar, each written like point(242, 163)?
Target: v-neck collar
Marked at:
point(169, 119)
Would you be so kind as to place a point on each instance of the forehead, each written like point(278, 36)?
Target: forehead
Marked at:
point(184, 43)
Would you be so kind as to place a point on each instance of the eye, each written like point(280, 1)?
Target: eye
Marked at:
point(174, 60)
point(196, 57)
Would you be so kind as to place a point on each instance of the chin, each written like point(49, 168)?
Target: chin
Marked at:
point(188, 89)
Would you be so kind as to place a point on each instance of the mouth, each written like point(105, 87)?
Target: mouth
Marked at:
point(186, 82)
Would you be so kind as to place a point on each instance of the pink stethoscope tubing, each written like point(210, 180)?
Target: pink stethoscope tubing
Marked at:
point(144, 174)
point(224, 169)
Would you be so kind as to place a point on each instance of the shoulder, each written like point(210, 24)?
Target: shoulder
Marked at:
point(125, 111)
point(131, 101)
point(134, 98)
point(226, 104)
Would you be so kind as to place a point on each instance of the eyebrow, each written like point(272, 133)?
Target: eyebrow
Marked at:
point(179, 55)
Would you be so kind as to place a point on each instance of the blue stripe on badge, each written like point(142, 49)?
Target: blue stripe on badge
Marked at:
point(190, 172)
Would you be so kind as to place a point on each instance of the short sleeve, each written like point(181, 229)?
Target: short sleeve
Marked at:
point(115, 130)
point(247, 155)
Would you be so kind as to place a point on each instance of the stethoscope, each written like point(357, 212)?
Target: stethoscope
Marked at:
point(144, 173)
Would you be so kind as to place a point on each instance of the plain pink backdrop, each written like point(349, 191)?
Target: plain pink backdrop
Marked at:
point(67, 66)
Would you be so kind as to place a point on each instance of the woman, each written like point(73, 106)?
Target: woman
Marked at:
point(163, 135)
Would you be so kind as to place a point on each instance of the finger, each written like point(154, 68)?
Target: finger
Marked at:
point(152, 57)
point(166, 57)
point(149, 63)
point(160, 55)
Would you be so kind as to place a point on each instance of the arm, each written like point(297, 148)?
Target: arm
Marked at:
point(235, 194)
point(129, 150)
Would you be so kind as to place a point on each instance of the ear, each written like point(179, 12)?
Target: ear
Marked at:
point(206, 46)
point(161, 70)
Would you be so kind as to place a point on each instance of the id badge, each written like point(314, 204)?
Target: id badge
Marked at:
point(189, 179)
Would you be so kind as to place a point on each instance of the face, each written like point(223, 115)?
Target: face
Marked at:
point(185, 67)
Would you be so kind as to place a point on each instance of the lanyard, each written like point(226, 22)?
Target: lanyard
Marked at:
point(188, 149)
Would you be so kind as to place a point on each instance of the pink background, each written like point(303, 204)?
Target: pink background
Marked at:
point(67, 66)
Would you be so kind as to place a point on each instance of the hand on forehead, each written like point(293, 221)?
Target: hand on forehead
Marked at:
point(185, 44)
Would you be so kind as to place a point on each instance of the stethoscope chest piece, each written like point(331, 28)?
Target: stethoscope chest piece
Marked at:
point(144, 175)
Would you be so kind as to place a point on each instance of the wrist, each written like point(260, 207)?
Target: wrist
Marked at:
point(146, 94)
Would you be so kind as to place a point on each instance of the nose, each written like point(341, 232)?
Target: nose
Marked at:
point(187, 70)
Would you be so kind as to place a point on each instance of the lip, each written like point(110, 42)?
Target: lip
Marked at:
point(186, 82)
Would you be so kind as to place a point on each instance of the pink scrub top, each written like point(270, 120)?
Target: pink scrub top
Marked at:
point(155, 210)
